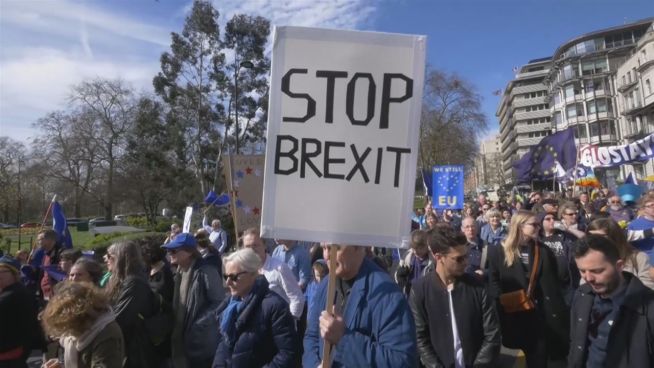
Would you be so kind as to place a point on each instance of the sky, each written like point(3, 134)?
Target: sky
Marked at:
point(47, 46)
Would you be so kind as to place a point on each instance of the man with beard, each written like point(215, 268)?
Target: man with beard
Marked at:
point(612, 314)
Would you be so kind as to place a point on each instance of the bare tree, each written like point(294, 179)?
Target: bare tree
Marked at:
point(452, 121)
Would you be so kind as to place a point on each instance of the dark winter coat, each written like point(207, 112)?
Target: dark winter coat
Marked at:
point(19, 326)
point(133, 304)
point(631, 340)
point(550, 318)
point(476, 320)
point(204, 295)
point(265, 332)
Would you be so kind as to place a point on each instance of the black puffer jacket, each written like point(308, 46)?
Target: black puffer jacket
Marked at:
point(265, 332)
point(476, 320)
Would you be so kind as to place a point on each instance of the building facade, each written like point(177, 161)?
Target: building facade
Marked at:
point(635, 86)
point(488, 165)
point(583, 89)
point(524, 113)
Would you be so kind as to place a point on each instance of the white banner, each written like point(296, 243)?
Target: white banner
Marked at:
point(637, 151)
point(186, 228)
point(343, 124)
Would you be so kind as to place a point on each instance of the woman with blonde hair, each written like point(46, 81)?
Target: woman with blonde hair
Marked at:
point(523, 278)
point(80, 316)
point(492, 233)
point(132, 301)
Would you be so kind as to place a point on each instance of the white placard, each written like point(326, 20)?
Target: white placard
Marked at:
point(342, 144)
point(186, 228)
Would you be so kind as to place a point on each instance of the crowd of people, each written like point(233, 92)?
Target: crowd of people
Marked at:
point(566, 279)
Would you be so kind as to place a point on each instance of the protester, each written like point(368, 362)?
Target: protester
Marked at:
point(371, 322)
point(506, 218)
point(430, 220)
point(207, 251)
point(561, 244)
point(320, 270)
point(456, 321)
point(477, 250)
point(160, 276)
point(417, 262)
point(540, 329)
point(569, 220)
point(217, 235)
point(67, 258)
point(198, 293)
point(296, 258)
point(492, 233)
point(618, 212)
point(132, 301)
point(550, 205)
point(634, 261)
point(256, 326)
point(86, 270)
point(612, 313)
point(645, 222)
point(80, 316)
point(279, 276)
point(19, 328)
point(47, 240)
point(174, 231)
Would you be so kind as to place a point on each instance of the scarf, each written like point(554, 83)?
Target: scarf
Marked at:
point(74, 345)
point(228, 319)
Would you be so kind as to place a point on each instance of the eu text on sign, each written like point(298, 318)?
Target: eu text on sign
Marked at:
point(342, 140)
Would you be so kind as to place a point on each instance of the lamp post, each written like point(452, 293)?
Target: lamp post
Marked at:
point(243, 64)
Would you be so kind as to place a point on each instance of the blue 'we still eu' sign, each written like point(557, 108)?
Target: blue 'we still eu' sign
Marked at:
point(447, 185)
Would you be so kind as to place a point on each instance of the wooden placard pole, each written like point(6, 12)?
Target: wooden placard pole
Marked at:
point(232, 197)
point(329, 305)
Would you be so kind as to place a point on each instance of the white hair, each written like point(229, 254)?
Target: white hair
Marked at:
point(246, 258)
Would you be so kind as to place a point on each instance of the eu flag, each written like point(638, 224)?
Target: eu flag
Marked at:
point(60, 225)
point(551, 157)
point(447, 187)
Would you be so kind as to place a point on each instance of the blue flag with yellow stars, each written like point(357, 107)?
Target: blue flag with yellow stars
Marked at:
point(552, 157)
point(447, 187)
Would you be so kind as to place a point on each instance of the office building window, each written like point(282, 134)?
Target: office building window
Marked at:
point(648, 86)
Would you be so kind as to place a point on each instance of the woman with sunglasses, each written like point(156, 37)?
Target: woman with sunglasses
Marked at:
point(256, 325)
point(540, 328)
point(198, 293)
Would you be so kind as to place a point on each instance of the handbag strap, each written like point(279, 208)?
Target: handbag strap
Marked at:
point(534, 269)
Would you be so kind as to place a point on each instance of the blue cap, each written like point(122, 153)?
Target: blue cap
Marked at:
point(183, 240)
point(11, 263)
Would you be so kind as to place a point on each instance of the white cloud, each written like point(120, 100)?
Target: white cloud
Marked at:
point(39, 79)
point(64, 18)
point(342, 14)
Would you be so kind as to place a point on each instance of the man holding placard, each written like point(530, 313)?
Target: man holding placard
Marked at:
point(370, 323)
point(343, 126)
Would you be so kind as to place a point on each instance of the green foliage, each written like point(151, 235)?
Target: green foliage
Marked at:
point(105, 240)
point(163, 226)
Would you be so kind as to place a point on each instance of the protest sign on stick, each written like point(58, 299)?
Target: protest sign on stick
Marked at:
point(342, 138)
point(244, 175)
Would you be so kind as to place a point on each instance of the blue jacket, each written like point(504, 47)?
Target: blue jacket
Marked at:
point(490, 237)
point(379, 327)
point(265, 332)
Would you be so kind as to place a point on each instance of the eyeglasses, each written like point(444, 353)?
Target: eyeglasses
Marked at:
point(570, 214)
point(234, 277)
point(548, 219)
point(615, 202)
point(534, 224)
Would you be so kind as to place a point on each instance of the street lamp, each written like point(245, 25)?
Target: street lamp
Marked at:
point(243, 64)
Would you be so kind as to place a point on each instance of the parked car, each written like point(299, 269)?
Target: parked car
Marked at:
point(74, 221)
